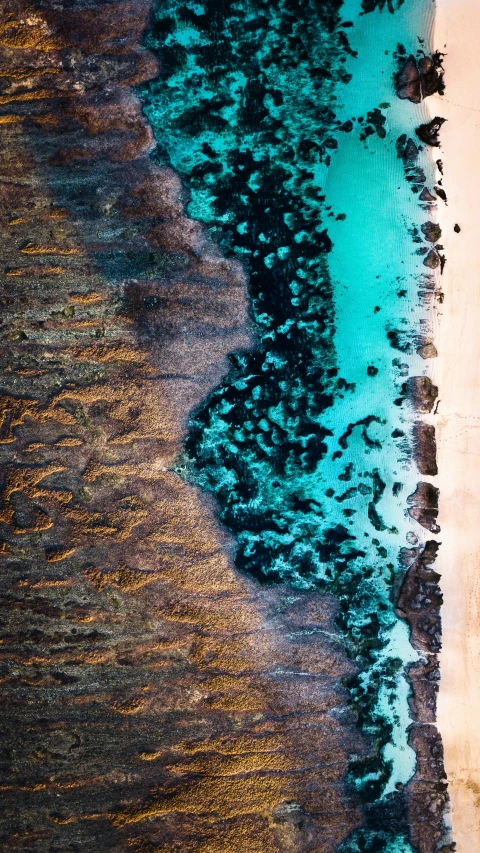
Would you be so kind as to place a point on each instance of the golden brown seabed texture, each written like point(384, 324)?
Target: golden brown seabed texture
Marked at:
point(154, 700)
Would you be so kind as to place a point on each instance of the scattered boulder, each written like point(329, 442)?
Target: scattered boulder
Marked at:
point(432, 231)
point(427, 196)
point(431, 76)
point(415, 175)
point(428, 350)
point(408, 152)
point(441, 194)
point(432, 260)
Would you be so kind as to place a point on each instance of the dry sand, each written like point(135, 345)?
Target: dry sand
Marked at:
point(457, 371)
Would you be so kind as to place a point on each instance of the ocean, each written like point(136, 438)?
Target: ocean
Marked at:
point(282, 120)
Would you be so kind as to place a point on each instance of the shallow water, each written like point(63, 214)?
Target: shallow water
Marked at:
point(374, 264)
point(297, 443)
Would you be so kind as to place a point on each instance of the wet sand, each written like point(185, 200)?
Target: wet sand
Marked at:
point(457, 372)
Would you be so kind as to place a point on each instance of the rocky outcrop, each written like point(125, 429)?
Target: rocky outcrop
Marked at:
point(426, 196)
point(428, 350)
point(432, 260)
point(408, 151)
point(421, 393)
point(431, 231)
point(429, 133)
point(441, 193)
point(423, 506)
point(152, 699)
point(425, 448)
point(417, 80)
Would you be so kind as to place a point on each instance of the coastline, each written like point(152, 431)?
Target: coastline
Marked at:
point(238, 681)
point(457, 32)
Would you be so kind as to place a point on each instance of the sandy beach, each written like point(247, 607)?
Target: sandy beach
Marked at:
point(457, 372)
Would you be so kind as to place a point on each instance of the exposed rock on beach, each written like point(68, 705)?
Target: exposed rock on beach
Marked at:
point(426, 196)
point(429, 132)
point(425, 448)
point(421, 393)
point(432, 231)
point(423, 506)
point(428, 350)
point(417, 79)
point(419, 604)
point(432, 260)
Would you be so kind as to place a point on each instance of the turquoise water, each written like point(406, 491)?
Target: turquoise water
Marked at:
point(306, 443)
point(372, 262)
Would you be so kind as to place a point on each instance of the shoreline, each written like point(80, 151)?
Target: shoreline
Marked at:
point(455, 371)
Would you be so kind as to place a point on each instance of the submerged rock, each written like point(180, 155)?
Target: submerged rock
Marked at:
point(376, 124)
point(406, 149)
point(426, 196)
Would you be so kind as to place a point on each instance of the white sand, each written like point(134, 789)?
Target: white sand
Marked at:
point(457, 372)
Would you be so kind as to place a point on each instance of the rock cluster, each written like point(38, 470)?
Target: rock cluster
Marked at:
point(421, 393)
point(420, 598)
point(419, 604)
point(417, 80)
point(423, 506)
point(429, 132)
